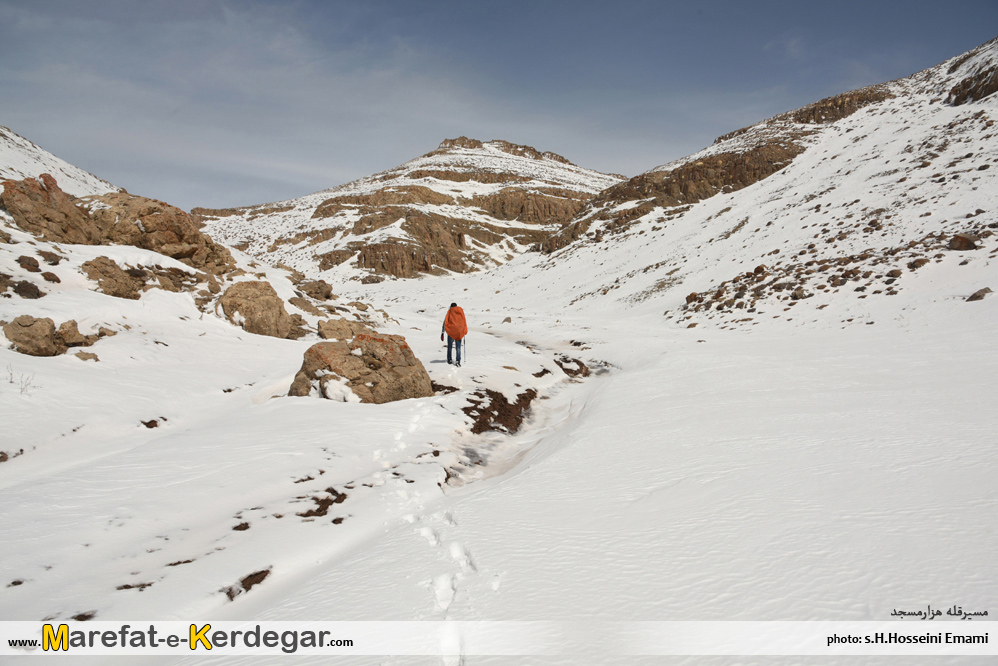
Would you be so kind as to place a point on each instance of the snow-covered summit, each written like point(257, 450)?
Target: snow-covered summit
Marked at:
point(20, 158)
point(465, 206)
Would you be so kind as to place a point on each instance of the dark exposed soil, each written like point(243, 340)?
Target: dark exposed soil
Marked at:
point(438, 388)
point(246, 584)
point(566, 363)
point(543, 372)
point(83, 617)
point(323, 503)
point(26, 289)
point(179, 562)
point(254, 578)
point(241, 527)
point(492, 412)
point(134, 586)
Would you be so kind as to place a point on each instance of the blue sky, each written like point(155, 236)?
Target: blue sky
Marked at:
point(225, 103)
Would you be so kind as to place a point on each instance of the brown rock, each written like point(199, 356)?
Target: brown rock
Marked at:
point(35, 337)
point(895, 273)
point(29, 264)
point(38, 206)
point(303, 304)
point(376, 368)
point(51, 277)
point(979, 294)
point(112, 279)
point(125, 219)
point(257, 308)
point(342, 329)
point(70, 336)
point(320, 290)
point(963, 242)
point(86, 356)
point(26, 289)
point(51, 258)
point(918, 263)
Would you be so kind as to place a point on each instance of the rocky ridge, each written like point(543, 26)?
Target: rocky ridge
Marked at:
point(743, 157)
point(855, 197)
point(468, 205)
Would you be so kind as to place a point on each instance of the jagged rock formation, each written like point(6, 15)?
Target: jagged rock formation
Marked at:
point(40, 207)
point(372, 368)
point(467, 205)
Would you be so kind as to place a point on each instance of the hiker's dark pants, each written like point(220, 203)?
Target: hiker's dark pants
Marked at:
point(451, 342)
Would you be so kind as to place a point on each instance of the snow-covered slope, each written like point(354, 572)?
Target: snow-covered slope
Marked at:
point(828, 456)
point(20, 158)
point(466, 206)
point(885, 187)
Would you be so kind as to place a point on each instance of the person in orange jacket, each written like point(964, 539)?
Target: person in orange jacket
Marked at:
point(456, 327)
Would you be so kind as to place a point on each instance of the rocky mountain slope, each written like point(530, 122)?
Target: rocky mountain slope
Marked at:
point(20, 158)
point(468, 205)
point(854, 197)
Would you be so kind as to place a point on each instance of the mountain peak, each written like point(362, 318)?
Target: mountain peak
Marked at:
point(501, 145)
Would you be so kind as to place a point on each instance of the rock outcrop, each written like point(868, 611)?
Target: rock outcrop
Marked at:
point(256, 307)
point(126, 219)
point(38, 206)
point(40, 337)
point(374, 368)
point(112, 279)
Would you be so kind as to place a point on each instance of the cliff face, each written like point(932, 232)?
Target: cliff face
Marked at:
point(465, 206)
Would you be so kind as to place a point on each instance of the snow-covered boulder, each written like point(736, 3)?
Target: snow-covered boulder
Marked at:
point(40, 337)
point(256, 307)
point(370, 368)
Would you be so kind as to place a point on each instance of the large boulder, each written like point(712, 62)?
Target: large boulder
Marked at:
point(40, 337)
point(320, 290)
point(112, 279)
point(256, 307)
point(342, 329)
point(963, 242)
point(35, 337)
point(374, 368)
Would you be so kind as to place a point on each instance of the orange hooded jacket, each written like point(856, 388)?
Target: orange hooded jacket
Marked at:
point(455, 323)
